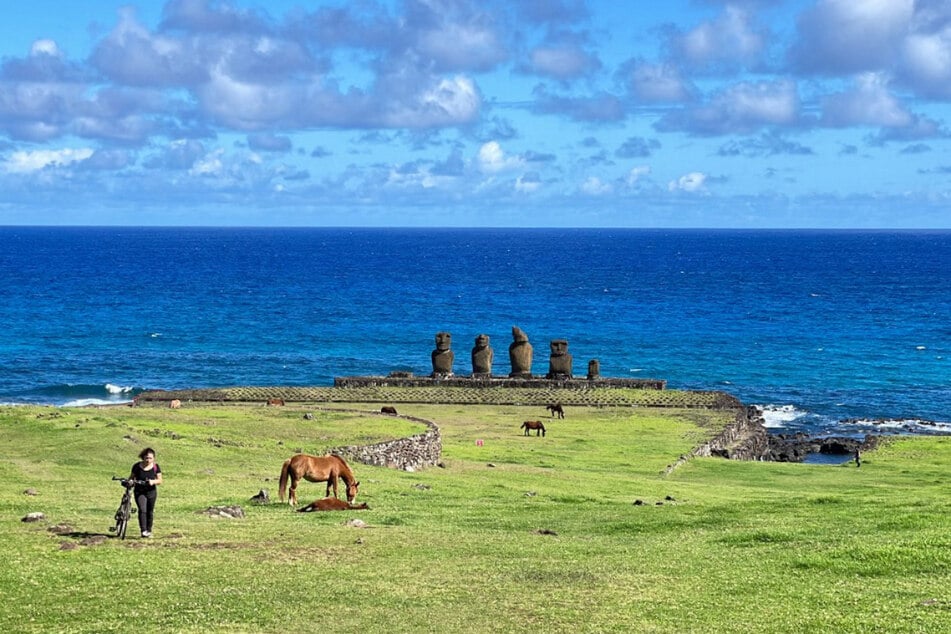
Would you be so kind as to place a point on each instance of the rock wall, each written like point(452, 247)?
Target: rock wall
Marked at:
point(408, 454)
point(401, 380)
point(743, 439)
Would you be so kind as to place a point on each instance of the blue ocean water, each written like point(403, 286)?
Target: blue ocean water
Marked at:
point(817, 326)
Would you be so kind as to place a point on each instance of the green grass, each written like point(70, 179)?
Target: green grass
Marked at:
point(518, 534)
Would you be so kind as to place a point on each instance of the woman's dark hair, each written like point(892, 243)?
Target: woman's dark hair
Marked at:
point(147, 450)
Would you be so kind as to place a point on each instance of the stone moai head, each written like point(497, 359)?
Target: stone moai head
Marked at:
point(443, 356)
point(443, 341)
point(520, 354)
point(594, 369)
point(559, 365)
point(482, 356)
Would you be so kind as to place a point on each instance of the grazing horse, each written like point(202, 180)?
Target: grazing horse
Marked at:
point(388, 409)
point(331, 504)
point(537, 425)
point(316, 469)
point(556, 409)
point(175, 404)
point(275, 401)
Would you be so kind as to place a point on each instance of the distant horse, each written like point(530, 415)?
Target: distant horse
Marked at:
point(388, 409)
point(175, 404)
point(556, 409)
point(316, 469)
point(331, 504)
point(537, 425)
point(275, 401)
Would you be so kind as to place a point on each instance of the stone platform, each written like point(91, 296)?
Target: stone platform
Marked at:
point(407, 380)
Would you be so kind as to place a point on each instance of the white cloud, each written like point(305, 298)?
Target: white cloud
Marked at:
point(636, 174)
point(456, 46)
point(926, 62)
point(728, 40)
point(565, 61)
point(526, 184)
point(691, 182)
point(457, 99)
point(23, 162)
point(594, 186)
point(210, 165)
point(868, 103)
point(492, 159)
point(659, 83)
point(741, 108)
point(846, 36)
point(45, 47)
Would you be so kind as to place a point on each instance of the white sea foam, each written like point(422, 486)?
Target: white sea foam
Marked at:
point(906, 424)
point(118, 389)
point(779, 415)
point(87, 402)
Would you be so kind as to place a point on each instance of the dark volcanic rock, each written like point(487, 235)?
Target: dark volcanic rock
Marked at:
point(796, 447)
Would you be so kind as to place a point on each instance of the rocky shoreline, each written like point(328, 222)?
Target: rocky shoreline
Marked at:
point(747, 439)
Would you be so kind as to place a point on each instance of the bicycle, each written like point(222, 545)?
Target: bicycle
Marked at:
point(125, 510)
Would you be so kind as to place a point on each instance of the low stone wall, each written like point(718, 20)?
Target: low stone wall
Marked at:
point(494, 382)
point(743, 439)
point(408, 454)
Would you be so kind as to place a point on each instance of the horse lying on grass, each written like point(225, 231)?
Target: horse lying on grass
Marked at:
point(537, 425)
point(316, 469)
point(331, 504)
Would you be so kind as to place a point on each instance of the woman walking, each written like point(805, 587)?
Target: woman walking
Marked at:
point(147, 475)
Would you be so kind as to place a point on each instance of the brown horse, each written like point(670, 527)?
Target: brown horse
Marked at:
point(331, 504)
point(316, 469)
point(537, 425)
point(556, 409)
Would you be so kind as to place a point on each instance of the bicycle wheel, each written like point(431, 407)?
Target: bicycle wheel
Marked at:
point(122, 520)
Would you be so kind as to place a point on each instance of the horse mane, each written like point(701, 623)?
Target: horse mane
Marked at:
point(345, 471)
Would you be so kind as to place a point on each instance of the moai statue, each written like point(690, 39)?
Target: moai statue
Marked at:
point(442, 355)
point(594, 369)
point(559, 365)
point(520, 354)
point(482, 357)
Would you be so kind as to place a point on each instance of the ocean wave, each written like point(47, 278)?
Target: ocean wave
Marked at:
point(780, 415)
point(906, 425)
point(118, 389)
point(88, 402)
point(79, 394)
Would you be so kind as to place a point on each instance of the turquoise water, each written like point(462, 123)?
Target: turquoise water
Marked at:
point(816, 326)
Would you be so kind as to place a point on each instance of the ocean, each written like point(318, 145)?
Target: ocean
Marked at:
point(829, 331)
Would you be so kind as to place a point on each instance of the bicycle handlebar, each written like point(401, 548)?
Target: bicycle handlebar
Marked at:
point(129, 482)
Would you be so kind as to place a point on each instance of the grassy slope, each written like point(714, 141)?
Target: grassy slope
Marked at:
point(753, 547)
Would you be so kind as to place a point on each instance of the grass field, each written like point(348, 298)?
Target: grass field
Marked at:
point(520, 534)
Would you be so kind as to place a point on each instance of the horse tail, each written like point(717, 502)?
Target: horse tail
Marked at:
point(283, 483)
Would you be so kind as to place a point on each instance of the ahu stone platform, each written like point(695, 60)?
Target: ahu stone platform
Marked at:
point(535, 382)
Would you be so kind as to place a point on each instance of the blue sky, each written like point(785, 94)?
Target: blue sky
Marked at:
point(574, 113)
